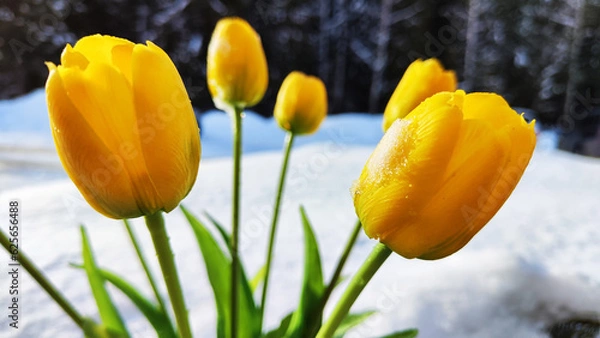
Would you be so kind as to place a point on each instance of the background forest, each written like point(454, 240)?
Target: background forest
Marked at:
point(543, 55)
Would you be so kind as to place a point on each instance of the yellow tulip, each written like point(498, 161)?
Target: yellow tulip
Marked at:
point(442, 172)
point(236, 66)
point(301, 103)
point(123, 126)
point(421, 80)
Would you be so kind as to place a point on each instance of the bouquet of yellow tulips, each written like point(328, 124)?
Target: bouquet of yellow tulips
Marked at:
point(126, 134)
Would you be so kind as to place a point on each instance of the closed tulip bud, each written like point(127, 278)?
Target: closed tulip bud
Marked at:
point(440, 174)
point(301, 103)
point(123, 126)
point(236, 65)
point(421, 80)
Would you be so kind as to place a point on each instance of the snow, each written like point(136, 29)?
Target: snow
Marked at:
point(534, 264)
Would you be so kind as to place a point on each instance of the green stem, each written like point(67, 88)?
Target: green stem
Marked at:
point(45, 283)
point(140, 255)
point(160, 238)
point(235, 215)
point(341, 263)
point(289, 140)
point(336, 276)
point(364, 274)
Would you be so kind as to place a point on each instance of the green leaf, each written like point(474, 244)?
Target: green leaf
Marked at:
point(410, 333)
point(258, 278)
point(351, 321)
point(218, 269)
point(224, 234)
point(158, 319)
point(109, 315)
point(312, 286)
point(282, 329)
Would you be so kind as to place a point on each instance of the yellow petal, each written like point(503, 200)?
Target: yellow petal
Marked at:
point(107, 132)
point(168, 130)
point(455, 213)
point(51, 67)
point(91, 165)
point(72, 58)
point(407, 166)
point(110, 50)
point(97, 48)
point(104, 98)
point(421, 80)
point(494, 109)
point(236, 65)
point(301, 103)
point(121, 59)
point(521, 139)
point(482, 163)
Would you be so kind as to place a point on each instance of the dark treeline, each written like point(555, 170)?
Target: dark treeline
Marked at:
point(539, 54)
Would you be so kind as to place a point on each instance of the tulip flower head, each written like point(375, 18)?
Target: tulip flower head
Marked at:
point(439, 174)
point(301, 103)
point(236, 65)
point(123, 126)
point(421, 80)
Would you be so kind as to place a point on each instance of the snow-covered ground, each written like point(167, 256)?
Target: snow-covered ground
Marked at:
point(536, 263)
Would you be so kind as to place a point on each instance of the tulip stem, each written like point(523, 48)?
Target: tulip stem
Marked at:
point(160, 238)
point(340, 265)
point(151, 278)
point(336, 276)
point(39, 277)
point(289, 141)
point(364, 274)
point(235, 215)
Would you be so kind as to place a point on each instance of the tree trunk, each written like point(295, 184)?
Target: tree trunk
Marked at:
point(381, 56)
point(472, 44)
point(581, 114)
point(324, 18)
point(339, 78)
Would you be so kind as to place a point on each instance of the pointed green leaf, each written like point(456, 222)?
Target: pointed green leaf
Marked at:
point(158, 319)
point(258, 279)
point(282, 329)
point(312, 285)
point(224, 234)
point(218, 269)
point(410, 333)
point(351, 320)
point(108, 312)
